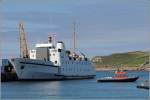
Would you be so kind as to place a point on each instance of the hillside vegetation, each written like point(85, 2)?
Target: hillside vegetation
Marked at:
point(129, 59)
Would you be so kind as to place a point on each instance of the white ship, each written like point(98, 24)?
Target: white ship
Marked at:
point(49, 62)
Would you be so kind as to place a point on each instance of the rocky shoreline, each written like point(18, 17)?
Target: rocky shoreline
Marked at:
point(127, 68)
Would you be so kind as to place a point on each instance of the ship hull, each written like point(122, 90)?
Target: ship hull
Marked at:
point(60, 78)
point(27, 69)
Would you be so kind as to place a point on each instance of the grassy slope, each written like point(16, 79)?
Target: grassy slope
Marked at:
point(130, 59)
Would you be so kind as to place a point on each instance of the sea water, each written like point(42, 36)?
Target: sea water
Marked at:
point(76, 89)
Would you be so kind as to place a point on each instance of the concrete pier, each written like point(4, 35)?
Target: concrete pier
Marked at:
point(8, 76)
point(8, 72)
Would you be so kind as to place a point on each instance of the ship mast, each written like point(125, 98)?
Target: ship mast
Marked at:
point(74, 37)
point(23, 44)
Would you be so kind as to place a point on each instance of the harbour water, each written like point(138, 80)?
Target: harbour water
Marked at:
point(76, 89)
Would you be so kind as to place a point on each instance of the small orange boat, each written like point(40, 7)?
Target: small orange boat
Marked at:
point(120, 76)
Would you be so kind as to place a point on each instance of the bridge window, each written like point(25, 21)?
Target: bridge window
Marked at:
point(85, 59)
point(69, 58)
point(59, 50)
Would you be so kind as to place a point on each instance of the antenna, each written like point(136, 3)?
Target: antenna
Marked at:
point(54, 38)
point(23, 44)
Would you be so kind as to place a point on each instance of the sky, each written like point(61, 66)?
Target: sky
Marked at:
point(103, 27)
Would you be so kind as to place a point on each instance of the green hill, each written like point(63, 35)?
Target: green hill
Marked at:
point(130, 59)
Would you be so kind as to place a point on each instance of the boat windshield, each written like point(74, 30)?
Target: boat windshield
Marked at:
point(120, 74)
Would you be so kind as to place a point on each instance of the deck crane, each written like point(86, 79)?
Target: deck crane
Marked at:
point(23, 45)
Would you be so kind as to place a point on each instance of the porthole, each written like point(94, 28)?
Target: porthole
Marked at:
point(22, 67)
point(55, 62)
